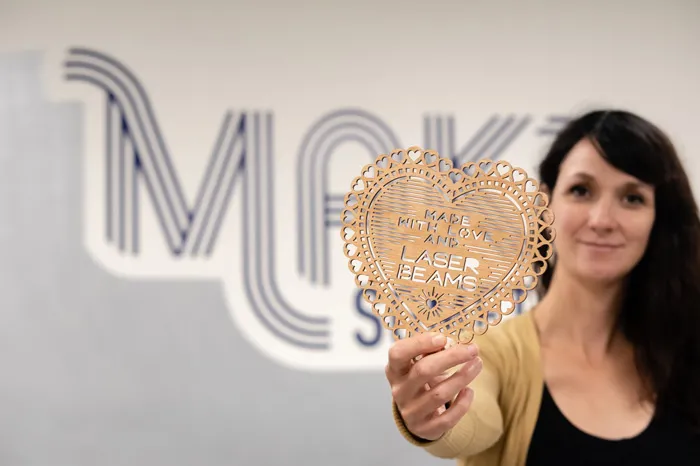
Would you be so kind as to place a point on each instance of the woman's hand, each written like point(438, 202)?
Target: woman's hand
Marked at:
point(421, 389)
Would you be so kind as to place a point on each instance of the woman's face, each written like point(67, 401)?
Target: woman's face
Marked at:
point(602, 217)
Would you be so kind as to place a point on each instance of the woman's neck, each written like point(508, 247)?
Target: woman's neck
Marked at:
point(581, 314)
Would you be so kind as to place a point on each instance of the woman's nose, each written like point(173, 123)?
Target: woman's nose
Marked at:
point(602, 216)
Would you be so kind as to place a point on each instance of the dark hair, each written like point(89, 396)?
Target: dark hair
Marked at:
point(660, 314)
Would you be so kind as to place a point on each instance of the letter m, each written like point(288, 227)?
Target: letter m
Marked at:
point(137, 158)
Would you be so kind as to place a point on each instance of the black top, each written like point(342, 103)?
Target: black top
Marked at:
point(557, 442)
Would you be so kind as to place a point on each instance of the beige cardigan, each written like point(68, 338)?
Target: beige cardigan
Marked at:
point(497, 429)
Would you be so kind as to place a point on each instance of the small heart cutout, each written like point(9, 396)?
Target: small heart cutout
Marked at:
point(507, 307)
point(359, 185)
point(415, 155)
point(398, 156)
point(350, 250)
point(486, 166)
point(348, 217)
point(370, 295)
point(503, 169)
point(540, 200)
point(455, 176)
point(445, 165)
point(348, 233)
point(351, 200)
point(379, 309)
point(356, 265)
point(362, 280)
point(518, 175)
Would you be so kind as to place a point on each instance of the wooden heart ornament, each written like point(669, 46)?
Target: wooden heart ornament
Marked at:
point(442, 249)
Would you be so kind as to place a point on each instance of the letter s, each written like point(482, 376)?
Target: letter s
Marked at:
point(363, 308)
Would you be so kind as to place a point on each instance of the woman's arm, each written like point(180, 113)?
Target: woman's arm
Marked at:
point(477, 430)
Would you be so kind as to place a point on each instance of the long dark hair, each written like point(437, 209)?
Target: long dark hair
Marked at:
point(660, 314)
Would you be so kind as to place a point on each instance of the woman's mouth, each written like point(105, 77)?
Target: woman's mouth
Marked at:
point(601, 246)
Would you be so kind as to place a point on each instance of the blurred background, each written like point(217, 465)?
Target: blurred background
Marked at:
point(171, 180)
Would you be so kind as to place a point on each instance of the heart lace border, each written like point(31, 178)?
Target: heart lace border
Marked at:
point(493, 305)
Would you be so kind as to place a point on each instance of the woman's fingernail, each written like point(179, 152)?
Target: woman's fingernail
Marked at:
point(438, 340)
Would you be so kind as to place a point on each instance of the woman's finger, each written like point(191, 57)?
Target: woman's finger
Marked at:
point(446, 390)
point(436, 364)
point(440, 422)
point(403, 353)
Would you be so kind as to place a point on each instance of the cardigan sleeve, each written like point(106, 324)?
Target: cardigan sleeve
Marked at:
point(479, 428)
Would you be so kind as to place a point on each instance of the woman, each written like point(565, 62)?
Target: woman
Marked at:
point(605, 369)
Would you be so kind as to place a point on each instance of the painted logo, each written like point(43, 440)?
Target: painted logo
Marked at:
point(257, 217)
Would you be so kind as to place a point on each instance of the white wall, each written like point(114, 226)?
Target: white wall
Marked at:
point(175, 341)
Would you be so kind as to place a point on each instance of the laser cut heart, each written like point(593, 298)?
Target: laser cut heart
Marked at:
point(443, 249)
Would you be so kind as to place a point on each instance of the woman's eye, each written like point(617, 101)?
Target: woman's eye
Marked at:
point(634, 199)
point(578, 190)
